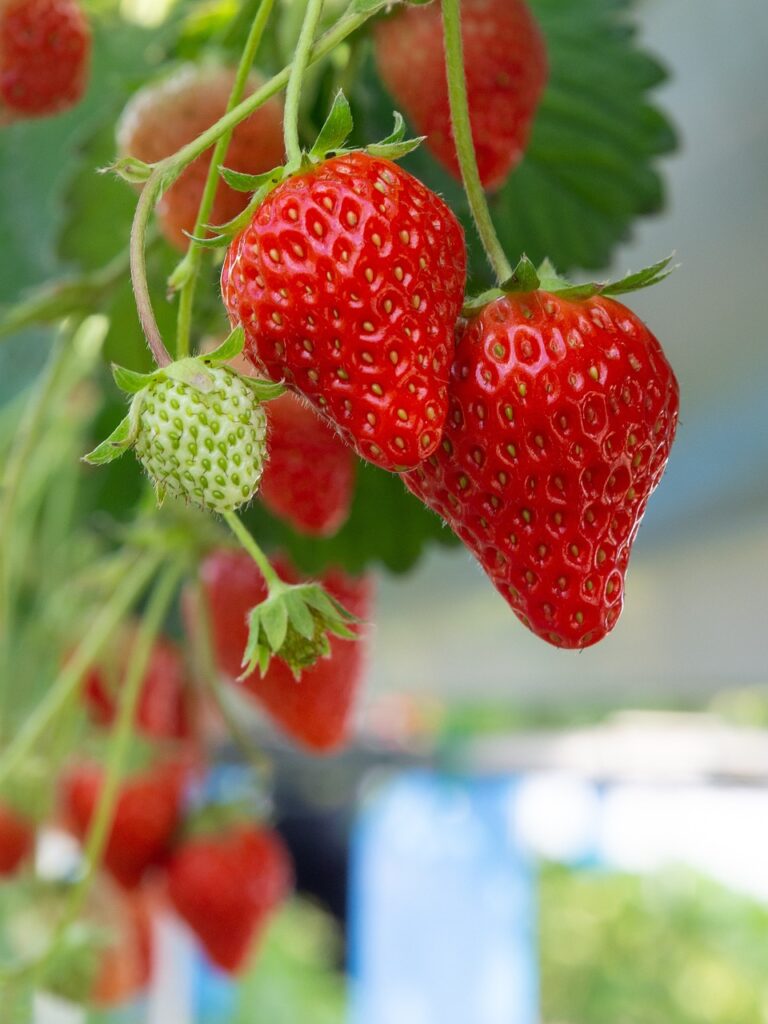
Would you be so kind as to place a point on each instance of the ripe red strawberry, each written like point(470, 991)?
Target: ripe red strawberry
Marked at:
point(562, 417)
point(146, 816)
point(309, 479)
point(348, 282)
point(45, 48)
point(227, 886)
point(163, 117)
point(505, 62)
point(163, 711)
point(17, 839)
point(314, 710)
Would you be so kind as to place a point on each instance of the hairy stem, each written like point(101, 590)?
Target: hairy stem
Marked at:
point(150, 193)
point(66, 684)
point(253, 549)
point(299, 66)
point(465, 148)
point(194, 254)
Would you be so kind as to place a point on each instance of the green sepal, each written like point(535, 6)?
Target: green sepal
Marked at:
point(369, 6)
point(526, 278)
point(336, 130)
point(232, 346)
point(129, 380)
point(293, 623)
point(247, 182)
point(191, 371)
point(118, 442)
point(395, 145)
point(130, 169)
point(263, 390)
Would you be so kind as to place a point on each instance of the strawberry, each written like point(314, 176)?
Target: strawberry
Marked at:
point(45, 49)
point(227, 886)
point(146, 816)
point(505, 63)
point(314, 710)
point(348, 281)
point(163, 117)
point(17, 840)
point(163, 704)
point(309, 478)
point(197, 427)
point(563, 412)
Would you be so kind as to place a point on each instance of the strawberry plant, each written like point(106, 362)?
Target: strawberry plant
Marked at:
point(254, 337)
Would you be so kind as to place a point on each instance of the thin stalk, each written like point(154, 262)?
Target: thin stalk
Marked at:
point(465, 147)
point(299, 66)
point(122, 733)
point(66, 684)
point(193, 257)
point(253, 549)
point(150, 194)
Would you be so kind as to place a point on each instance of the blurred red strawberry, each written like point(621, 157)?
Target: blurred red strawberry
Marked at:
point(309, 478)
point(17, 840)
point(163, 711)
point(316, 709)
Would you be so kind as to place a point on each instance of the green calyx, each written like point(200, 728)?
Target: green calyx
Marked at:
point(329, 144)
point(197, 426)
point(294, 623)
point(527, 278)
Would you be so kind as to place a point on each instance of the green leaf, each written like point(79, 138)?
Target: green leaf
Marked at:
point(119, 441)
point(336, 129)
point(229, 348)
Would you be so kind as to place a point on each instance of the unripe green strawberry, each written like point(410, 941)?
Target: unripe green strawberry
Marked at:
point(208, 446)
point(198, 428)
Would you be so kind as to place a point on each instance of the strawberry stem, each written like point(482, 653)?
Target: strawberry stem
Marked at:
point(271, 578)
point(465, 148)
point(298, 70)
point(150, 194)
point(66, 684)
point(194, 254)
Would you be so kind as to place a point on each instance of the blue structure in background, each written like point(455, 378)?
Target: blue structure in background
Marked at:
point(442, 907)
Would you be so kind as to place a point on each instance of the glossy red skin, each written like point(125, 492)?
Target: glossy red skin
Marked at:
point(357, 312)
point(309, 478)
point(505, 61)
point(315, 710)
point(226, 888)
point(164, 116)
point(45, 50)
point(146, 817)
point(17, 840)
point(554, 442)
point(162, 712)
